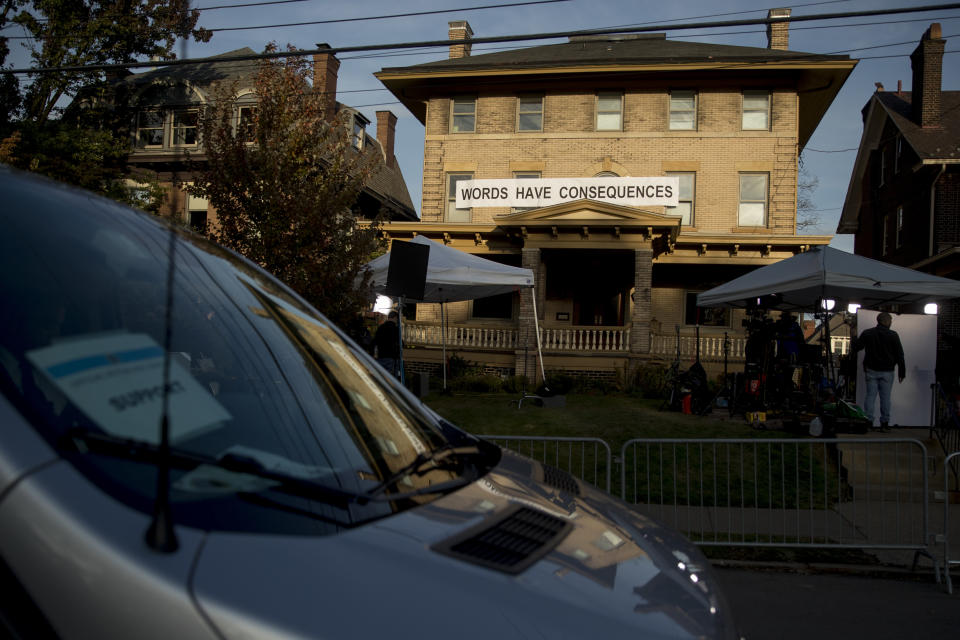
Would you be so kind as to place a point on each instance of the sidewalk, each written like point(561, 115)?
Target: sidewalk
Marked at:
point(796, 604)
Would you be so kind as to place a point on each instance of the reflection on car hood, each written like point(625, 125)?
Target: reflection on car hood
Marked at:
point(600, 569)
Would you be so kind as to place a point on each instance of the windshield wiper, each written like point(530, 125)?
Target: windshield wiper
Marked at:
point(424, 463)
point(85, 439)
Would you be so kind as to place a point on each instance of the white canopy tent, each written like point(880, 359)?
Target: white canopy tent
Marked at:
point(825, 273)
point(453, 276)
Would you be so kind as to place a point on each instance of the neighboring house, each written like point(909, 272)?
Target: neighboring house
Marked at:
point(166, 105)
point(613, 281)
point(903, 202)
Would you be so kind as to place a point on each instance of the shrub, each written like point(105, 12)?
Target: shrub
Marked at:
point(515, 384)
point(477, 383)
point(648, 380)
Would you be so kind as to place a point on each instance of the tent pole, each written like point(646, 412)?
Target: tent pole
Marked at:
point(536, 326)
point(443, 339)
point(400, 330)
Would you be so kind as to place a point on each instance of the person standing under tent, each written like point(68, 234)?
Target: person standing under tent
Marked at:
point(387, 344)
point(882, 353)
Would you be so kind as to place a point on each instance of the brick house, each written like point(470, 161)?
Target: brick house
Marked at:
point(903, 202)
point(615, 283)
point(166, 105)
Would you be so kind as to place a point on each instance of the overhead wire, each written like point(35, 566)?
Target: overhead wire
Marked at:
point(493, 39)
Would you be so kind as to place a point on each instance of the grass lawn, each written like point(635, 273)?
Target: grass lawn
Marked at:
point(763, 475)
point(612, 418)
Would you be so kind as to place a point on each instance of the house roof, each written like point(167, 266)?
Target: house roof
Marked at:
point(816, 77)
point(933, 145)
point(936, 144)
point(617, 50)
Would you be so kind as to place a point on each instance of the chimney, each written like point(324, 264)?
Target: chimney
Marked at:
point(778, 33)
point(927, 63)
point(386, 130)
point(325, 68)
point(460, 30)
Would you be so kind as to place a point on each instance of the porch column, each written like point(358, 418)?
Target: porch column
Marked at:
point(526, 353)
point(640, 317)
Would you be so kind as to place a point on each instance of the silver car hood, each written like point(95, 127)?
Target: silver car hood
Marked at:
point(611, 572)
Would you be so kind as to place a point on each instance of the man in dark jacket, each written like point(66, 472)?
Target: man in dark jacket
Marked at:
point(387, 343)
point(882, 352)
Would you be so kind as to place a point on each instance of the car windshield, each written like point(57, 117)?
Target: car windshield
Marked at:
point(254, 372)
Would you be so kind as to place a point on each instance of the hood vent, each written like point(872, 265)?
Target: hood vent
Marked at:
point(516, 541)
point(560, 479)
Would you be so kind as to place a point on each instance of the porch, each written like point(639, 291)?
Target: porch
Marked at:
point(587, 340)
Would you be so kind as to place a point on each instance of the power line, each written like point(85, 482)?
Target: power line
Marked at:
point(384, 17)
point(492, 39)
point(339, 20)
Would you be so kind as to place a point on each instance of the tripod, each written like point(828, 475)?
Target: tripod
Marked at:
point(672, 399)
point(725, 390)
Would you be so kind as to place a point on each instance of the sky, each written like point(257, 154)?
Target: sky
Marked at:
point(829, 155)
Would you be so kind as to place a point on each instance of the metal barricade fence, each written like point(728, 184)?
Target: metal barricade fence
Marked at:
point(953, 458)
point(589, 459)
point(863, 493)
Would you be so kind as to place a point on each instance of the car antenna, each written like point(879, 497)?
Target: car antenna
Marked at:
point(160, 535)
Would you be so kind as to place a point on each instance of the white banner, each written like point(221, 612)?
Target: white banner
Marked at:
point(543, 192)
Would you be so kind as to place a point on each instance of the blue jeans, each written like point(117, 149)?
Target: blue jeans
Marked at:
point(878, 382)
point(390, 364)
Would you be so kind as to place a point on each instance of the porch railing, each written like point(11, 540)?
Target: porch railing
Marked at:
point(457, 336)
point(583, 339)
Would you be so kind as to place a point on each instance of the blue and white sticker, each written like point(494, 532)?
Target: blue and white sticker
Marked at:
point(117, 381)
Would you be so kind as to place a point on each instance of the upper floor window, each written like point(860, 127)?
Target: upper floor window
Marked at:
point(246, 123)
point(884, 235)
point(530, 113)
point(753, 200)
point(463, 118)
point(684, 207)
point(150, 128)
point(524, 175)
point(683, 109)
point(452, 214)
point(898, 237)
point(356, 138)
point(756, 110)
point(609, 111)
point(185, 123)
point(897, 153)
point(883, 164)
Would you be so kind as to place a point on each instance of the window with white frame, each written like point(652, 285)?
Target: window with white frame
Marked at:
point(753, 200)
point(609, 111)
point(883, 164)
point(530, 113)
point(756, 110)
point(897, 153)
point(185, 126)
point(247, 123)
point(884, 235)
point(463, 115)
point(452, 213)
point(684, 207)
point(898, 237)
point(150, 128)
point(524, 175)
point(683, 110)
point(359, 132)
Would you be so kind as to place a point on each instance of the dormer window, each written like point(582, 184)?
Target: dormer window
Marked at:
point(150, 129)
point(246, 123)
point(185, 123)
point(359, 132)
